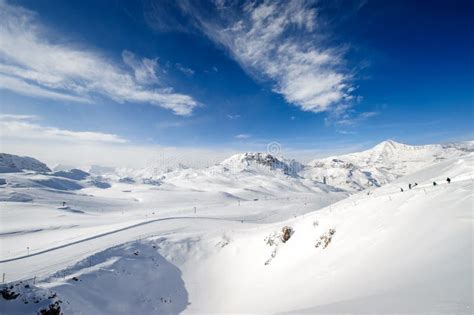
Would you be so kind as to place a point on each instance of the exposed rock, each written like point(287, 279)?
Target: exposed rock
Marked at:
point(9, 294)
point(287, 232)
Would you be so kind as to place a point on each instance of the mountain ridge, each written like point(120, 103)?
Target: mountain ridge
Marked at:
point(374, 167)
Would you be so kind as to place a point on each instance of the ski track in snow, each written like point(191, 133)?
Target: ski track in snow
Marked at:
point(109, 233)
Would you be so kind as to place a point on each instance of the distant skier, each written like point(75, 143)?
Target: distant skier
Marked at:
point(434, 184)
point(401, 189)
point(448, 180)
point(409, 186)
point(416, 184)
point(64, 203)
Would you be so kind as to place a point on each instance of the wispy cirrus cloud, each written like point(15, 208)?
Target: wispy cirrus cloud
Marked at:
point(352, 120)
point(144, 70)
point(242, 136)
point(34, 62)
point(236, 116)
point(25, 127)
point(185, 70)
point(280, 41)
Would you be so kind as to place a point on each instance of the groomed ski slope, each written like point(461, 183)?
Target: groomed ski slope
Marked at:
point(391, 251)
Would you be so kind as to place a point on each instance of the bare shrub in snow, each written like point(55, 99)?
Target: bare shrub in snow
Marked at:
point(223, 243)
point(325, 239)
point(272, 239)
point(272, 255)
point(53, 309)
point(275, 239)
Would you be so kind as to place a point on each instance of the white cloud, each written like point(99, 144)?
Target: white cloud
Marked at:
point(187, 71)
point(352, 120)
point(242, 136)
point(20, 127)
point(17, 117)
point(278, 40)
point(345, 132)
point(22, 87)
point(144, 70)
point(33, 63)
point(23, 135)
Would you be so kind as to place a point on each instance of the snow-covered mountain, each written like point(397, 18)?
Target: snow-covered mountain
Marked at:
point(249, 176)
point(254, 171)
point(261, 163)
point(281, 231)
point(380, 165)
point(10, 163)
point(263, 173)
point(387, 252)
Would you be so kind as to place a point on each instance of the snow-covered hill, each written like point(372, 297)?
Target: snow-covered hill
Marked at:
point(386, 252)
point(380, 165)
point(14, 163)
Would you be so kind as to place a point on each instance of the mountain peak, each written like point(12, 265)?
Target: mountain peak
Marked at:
point(254, 160)
point(248, 157)
point(389, 143)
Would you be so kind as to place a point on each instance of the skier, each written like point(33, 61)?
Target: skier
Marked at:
point(434, 184)
point(409, 186)
point(448, 180)
point(416, 184)
point(401, 189)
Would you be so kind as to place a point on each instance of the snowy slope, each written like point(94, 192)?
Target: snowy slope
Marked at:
point(14, 163)
point(386, 252)
point(382, 164)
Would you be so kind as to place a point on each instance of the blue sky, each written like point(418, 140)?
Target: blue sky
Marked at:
point(316, 77)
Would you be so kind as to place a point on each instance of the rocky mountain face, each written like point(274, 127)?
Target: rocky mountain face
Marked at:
point(261, 163)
